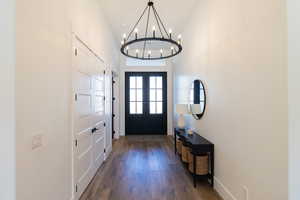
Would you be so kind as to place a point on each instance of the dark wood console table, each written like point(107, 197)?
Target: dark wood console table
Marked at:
point(199, 146)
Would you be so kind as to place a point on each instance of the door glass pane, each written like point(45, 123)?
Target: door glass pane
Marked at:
point(132, 81)
point(152, 107)
point(132, 108)
point(132, 95)
point(139, 108)
point(152, 95)
point(139, 82)
point(159, 108)
point(139, 95)
point(152, 82)
point(159, 82)
point(159, 95)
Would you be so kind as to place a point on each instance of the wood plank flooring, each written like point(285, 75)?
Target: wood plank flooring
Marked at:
point(145, 168)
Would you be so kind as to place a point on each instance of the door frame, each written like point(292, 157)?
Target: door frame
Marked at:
point(170, 107)
point(145, 103)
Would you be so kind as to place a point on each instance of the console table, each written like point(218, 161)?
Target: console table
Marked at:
point(199, 146)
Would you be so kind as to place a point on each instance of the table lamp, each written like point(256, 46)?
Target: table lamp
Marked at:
point(181, 109)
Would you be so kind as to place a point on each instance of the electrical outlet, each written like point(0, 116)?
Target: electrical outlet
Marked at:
point(246, 193)
point(37, 141)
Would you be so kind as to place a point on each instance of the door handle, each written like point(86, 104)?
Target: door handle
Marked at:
point(94, 130)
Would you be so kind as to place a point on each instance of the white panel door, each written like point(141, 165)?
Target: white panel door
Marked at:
point(99, 114)
point(83, 118)
point(88, 116)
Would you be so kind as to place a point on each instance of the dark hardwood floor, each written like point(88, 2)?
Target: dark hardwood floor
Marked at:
point(145, 168)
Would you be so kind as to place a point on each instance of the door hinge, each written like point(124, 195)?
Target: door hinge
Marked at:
point(76, 188)
point(75, 51)
point(75, 97)
point(76, 143)
point(113, 115)
point(104, 124)
point(103, 71)
point(114, 98)
point(104, 98)
point(104, 150)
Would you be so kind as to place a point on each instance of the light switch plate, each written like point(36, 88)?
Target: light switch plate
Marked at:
point(37, 141)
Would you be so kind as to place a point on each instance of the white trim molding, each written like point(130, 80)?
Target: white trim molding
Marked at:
point(223, 191)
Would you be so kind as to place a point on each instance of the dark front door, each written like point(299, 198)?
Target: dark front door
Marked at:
point(146, 103)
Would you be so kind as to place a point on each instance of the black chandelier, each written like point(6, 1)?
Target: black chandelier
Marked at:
point(157, 45)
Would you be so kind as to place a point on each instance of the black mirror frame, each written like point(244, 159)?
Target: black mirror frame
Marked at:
point(197, 84)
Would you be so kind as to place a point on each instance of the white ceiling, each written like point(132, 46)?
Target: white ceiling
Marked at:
point(123, 14)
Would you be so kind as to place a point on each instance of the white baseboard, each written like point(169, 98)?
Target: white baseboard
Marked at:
point(72, 197)
point(223, 190)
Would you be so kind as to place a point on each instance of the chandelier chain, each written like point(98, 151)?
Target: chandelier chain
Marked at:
point(161, 22)
point(137, 23)
point(146, 33)
point(158, 24)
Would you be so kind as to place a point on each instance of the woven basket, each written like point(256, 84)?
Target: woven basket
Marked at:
point(178, 146)
point(201, 164)
point(185, 154)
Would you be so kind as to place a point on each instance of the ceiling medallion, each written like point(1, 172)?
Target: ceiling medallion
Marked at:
point(155, 45)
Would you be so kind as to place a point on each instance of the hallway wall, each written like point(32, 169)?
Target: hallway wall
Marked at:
point(43, 89)
point(7, 105)
point(294, 98)
point(238, 48)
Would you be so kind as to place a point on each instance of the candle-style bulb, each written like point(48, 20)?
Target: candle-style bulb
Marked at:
point(124, 37)
point(172, 50)
point(161, 53)
point(127, 49)
point(170, 33)
point(137, 53)
point(179, 39)
point(153, 29)
point(136, 33)
point(149, 54)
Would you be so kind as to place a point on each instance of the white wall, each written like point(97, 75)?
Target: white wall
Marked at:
point(7, 102)
point(124, 68)
point(43, 89)
point(294, 98)
point(238, 48)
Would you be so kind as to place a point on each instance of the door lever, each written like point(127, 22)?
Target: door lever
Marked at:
point(94, 130)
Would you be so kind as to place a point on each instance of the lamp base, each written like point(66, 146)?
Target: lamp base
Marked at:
point(181, 122)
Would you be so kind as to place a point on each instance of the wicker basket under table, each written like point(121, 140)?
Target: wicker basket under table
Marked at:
point(178, 146)
point(185, 153)
point(201, 163)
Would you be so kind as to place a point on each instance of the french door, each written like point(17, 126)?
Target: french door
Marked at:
point(146, 103)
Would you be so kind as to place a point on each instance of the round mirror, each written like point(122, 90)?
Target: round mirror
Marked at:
point(197, 99)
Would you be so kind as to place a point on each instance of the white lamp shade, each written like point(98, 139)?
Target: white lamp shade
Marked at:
point(195, 109)
point(182, 109)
